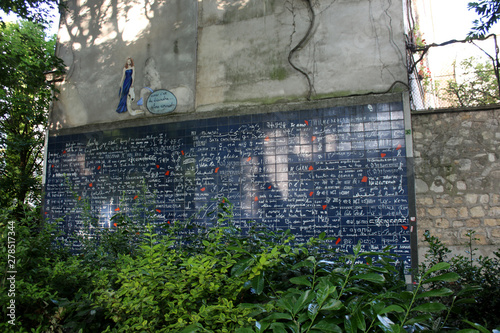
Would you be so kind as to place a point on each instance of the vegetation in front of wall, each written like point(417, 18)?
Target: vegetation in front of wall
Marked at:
point(477, 274)
point(424, 75)
point(180, 277)
point(417, 37)
point(476, 85)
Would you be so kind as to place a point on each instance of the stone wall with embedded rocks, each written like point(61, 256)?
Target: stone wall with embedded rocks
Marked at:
point(457, 172)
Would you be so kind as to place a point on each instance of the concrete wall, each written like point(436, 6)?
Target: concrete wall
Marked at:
point(353, 47)
point(215, 54)
point(457, 169)
point(95, 39)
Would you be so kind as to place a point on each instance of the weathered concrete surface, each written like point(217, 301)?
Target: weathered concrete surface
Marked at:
point(213, 54)
point(96, 37)
point(244, 46)
point(457, 170)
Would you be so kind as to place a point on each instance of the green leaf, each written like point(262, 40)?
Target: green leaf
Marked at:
point(305, 298)
point(404, 295)
point(357, 248)
point(468, 330)
point(386, 322)
point(350, 325)
point(192, 328)
point(240, 267)
point(372, 277)
point(261, 326)
point(324, 290)
point(356, 290)
point(293, 327)
point(388, 326)
point(437, 267)
point(332, 305)
point(435, 293)
point(301, 280)
point(277, 316)
point(237, 249)
point(312, 310)
point(258, 284)
point(419, 319)
point(469, 290)
point(286, 303)
point(466, 301)
point(256, 308)
point(360, 320)
point(430, 307)
point(303, 317)
point(326, 325)
point(391, 308)
point(278, 328)
point(376, 306)
point(304, 263)
point(477, 326)
point(447, 277)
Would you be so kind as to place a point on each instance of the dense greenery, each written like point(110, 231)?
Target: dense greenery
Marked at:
point(489, 14)
point(478, 84)
point(479, 275)
point(218, 279)
point(33, 10)
point(25, 55)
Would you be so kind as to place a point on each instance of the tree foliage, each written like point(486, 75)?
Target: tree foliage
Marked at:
point(25, 96)
point(33, 10)
point(489, 14)
point(477, 85)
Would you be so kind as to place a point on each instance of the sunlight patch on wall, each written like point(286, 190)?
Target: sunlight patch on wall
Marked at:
point(63, 35)
point(107, 28)
point(107, 33)
point(134, 22)
point(223, 4)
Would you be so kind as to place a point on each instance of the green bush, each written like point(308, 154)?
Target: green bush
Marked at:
point(181, 277)
point(478, 280)
point(355, 297)
point(44, 270)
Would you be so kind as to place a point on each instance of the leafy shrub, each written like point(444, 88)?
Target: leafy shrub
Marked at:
point(355, 297)
point(478, 279)
point(44, 270)
point(177, 282)
point(181, 277)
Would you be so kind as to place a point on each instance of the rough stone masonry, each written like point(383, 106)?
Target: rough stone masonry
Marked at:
point(457, 171)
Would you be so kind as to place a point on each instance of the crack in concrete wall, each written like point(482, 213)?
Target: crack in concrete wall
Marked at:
point(302, 42)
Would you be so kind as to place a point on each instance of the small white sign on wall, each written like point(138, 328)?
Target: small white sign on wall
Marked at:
point(161, 101)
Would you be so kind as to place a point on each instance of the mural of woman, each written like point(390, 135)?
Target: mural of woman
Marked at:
point(126, 83)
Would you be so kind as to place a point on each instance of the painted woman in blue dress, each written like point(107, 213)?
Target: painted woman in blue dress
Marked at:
point(126, 83)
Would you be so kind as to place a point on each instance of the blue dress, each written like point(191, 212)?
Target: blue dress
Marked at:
point(127, 82)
